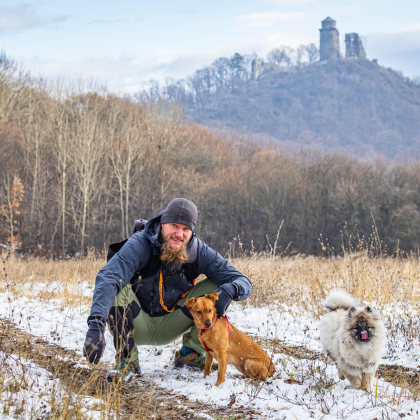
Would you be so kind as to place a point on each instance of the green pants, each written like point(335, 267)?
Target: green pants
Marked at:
point(139, 329)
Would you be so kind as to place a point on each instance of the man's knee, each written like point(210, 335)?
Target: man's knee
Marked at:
point(203, 287)
point(125, 296)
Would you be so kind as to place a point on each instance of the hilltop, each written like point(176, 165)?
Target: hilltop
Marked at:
point(349, 104)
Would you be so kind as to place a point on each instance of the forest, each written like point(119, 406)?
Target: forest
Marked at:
point(78, 165)
point(351, 105)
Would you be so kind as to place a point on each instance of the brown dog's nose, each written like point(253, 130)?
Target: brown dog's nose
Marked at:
point(208, 324)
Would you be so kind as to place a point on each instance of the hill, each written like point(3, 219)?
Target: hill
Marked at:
point(349, 104)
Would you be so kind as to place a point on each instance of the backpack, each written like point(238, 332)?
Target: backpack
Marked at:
point(139, 225)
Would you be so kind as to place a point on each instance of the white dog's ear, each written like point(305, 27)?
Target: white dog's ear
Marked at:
point(352, 310)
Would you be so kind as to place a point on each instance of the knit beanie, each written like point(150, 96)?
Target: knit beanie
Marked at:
point(182, 211)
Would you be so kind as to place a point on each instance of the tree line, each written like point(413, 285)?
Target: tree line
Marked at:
point(78, 165)
point(224, 74)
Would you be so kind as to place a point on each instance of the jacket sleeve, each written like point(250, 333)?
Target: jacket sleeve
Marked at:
point(221, 271)
point(117, 273)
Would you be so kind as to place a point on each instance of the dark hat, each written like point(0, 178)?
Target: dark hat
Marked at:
point(182, 211)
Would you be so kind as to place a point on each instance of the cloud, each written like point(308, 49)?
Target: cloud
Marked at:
point(188, 11)
point(288, 2)
point(400, 51)
point(396, 42)
point(106, 21)
point(256, 20)
point(119, 74)
point(413, 27)
point(274, 40)
point(22, 17)
point(127, 74)
point(124, 74)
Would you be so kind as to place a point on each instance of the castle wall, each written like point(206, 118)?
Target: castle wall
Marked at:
point(354, 46)
point(259, 67)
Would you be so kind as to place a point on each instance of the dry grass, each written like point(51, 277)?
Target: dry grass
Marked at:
point(305, 282)
point(23, 276)
point(301, 283)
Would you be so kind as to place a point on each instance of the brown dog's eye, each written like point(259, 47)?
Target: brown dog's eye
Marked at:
point(199, 312)
point(209, 310)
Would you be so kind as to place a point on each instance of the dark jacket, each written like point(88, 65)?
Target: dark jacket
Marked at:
point(141, 256)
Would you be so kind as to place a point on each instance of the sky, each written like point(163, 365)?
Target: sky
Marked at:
point(125, 44)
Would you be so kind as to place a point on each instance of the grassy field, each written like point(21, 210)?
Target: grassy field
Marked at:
point(297, 285)
point(300, 281)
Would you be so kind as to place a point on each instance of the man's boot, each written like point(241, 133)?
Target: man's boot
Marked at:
point(188, 357)
point(124, 371)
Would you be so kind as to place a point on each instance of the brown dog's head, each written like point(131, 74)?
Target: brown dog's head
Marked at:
point(203, 310)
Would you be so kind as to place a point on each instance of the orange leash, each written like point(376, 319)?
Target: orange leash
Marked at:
point(161, 295)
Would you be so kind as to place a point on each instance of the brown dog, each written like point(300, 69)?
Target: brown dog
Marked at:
point(226, 343)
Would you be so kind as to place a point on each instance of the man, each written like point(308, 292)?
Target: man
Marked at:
point(142, 290)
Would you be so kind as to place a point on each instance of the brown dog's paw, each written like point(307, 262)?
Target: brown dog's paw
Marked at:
point(219, 382)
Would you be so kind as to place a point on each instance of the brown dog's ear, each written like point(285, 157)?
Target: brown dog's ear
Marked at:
point(190, 303)
point(212, 296)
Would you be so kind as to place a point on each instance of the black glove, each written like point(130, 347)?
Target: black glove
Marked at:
point(227, 292)
point(94, 346)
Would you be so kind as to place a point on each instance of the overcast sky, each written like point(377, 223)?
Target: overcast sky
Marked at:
point(127, 43)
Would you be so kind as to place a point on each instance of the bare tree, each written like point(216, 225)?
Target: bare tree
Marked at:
point(61, 144)
point(11, 197)
point(313, 53)
point(87, 156)
point(32, 121)
point(282, 56)
point(13, 82)
point(300, 54)
point(125, 128)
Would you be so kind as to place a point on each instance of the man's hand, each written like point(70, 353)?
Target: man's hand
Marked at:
point(227, 292)
point(94, 346)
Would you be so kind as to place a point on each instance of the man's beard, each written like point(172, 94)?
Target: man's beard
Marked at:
point(173, 255)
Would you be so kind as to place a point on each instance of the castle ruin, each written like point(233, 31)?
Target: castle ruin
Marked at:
point(329, 49)
point(329, 46)
point(354, 46)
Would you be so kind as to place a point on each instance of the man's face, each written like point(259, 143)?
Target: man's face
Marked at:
point(177, 235)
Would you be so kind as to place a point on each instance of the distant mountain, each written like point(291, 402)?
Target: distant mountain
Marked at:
point(349, 104)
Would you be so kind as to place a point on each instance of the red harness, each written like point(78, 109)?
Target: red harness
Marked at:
point(206, 329)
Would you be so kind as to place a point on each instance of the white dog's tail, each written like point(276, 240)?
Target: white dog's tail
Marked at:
point(340, 299)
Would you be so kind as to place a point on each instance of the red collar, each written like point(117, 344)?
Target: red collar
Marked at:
point(206, 348)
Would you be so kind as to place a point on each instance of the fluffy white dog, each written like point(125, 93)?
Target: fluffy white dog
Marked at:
point(353, 336)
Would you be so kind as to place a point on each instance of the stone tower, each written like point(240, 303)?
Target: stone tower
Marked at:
point(354, 46)
point(329, 41)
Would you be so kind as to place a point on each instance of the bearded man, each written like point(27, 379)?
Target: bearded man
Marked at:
point(143, 288)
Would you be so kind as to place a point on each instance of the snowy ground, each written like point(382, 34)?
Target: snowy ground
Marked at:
point(28, 391)
point(318, 394)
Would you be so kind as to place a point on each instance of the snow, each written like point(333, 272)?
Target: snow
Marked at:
point(29, 391)
point(301, 389)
